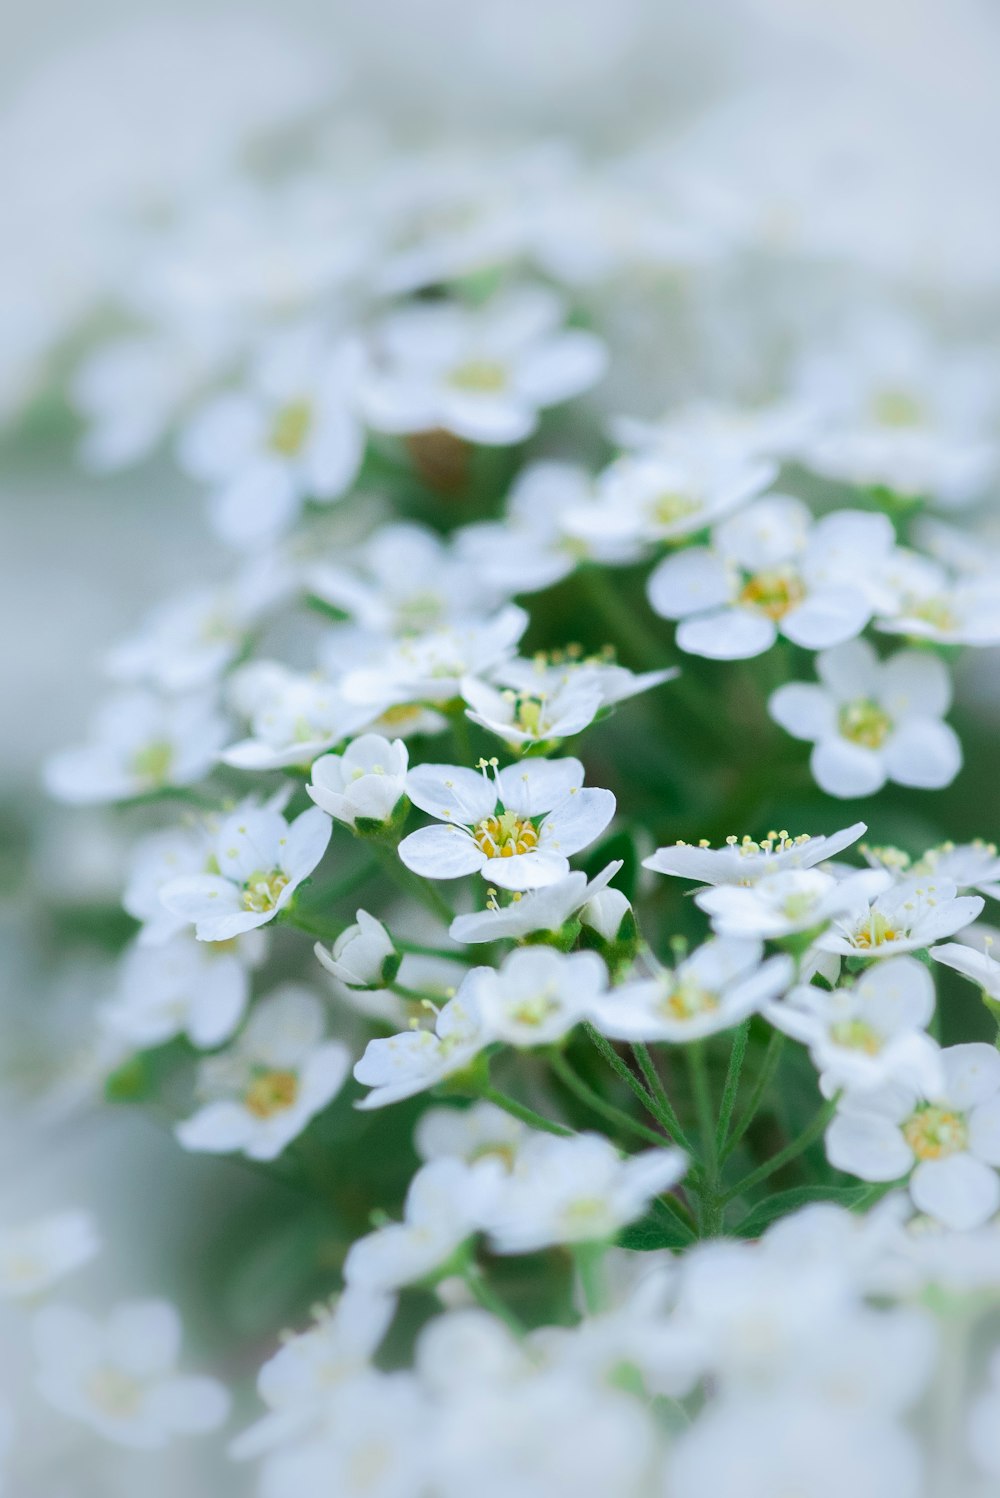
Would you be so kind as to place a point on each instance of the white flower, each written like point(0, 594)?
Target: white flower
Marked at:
point(430, 667)
point(664, 496)
point(367, 781)
point(912, 914)
point(873, 721)
point(604, 913)
point(36, 1255)
point(972, 865)
point(294, 716)
point(901, 412)
point(183, 987)
point(713, 989)
point(469, 1134)
point(928, 602)
point(516, 827)
point(140, 743)
point(788, 901)
point(189, 641)
point(363, 956)
point(542, 700)
point(576, 1190)
point(292, 434)
point(537, 994)
point(482, 374)
point(262, 860)
point(531, 547)
point(948, 1144)
point(545, 909)
point(297, 1382)
point(742, 861)
point(447, 1202)
point(118, 1377)
point(417, 1059)
point(770, 570)
point(404, 580)
point(979, 967)
point(275, 1078)
point(546, 672)
point(869, 1034)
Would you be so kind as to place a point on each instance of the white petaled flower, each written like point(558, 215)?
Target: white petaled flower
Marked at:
point(605, 911)
point(183, 987)
point(189, 641)
point(448, 1200)
point(912, 914)
point(366, 782)
point(264, 1090)
point(363, 956)
point(789, 901)
point(743, 861)
point(547, 671)
point(430, 667)
point(469, 1134)
point(140, 743)
point(482, 374)
point(418, 1059)
point(547, 699)
point(262, 860)
point(979, 967)
point(531, 547)
point(119, 1377)
point(948, 1143)
point(292, 434)
point(664, 496)
point(545, 909)
point(294, 717)
point(36, 1255)
point(929, 602)
point(873, 721)
point(517, 826)
point(404, 579)
point(576, 1190)
point(537, 994)
point(713, 989)
point(974, 865)
point(772, 570)
point(297, 1383)
point(869, 1034)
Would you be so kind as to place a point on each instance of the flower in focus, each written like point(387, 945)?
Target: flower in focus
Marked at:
point(365, 784)
point(912, 914)
point(363, 956)
point(743, 861)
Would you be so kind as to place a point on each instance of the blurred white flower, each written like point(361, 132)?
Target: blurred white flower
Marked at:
point(37, 1255)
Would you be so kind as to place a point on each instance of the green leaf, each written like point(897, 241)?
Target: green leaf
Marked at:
point(655, 1231)
point(784, 1202)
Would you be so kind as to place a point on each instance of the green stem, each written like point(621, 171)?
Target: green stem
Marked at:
point(313, 925)
point(419, 949)
point(784, 1157)
point(525, 1114)
point(487, 1297)
point(769, 1066)
point(589, 1260)
point(620, 1067)
point(665, 1114)
point(411, 884)
point(597, 1104)
point(415, 995)
point(462, 735)
point(697, 1064)
point(732, 1084)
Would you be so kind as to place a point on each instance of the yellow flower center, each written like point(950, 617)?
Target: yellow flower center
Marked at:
point(535, 1009)
point(527, 712)
point(865, 723)
point(113, 1392)
point(153, 762)
point(479, 376)
point(261, 890)
point(668, 508)
point(937, 613)
point(774, 592)
point(290, 428)
point(934, 1133)
point(875, 930)
point(688, 1000)
point(856, 1035)
point(504, 835)
point(896, 408)
point(271, 1092)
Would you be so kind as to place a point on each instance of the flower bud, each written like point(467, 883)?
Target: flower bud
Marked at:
point(365, 785)
point(363, 956)
point(605, 912)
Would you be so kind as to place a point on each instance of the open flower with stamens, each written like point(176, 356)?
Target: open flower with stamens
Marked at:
point(787, 902)
point(261, 861)
point(771, 570)
point(418, 1059)
point(744, 861)
point(430, 667)
point(294, 716)
point(713, 989)
point(912, 914)
point(866, 1035)
point(263, 1091)
point(948, 1143)
point(974, 865)
point(537, 994)
point(872, 721)
point(517, 826)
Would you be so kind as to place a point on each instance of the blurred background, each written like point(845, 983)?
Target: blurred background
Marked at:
point(858, 137)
